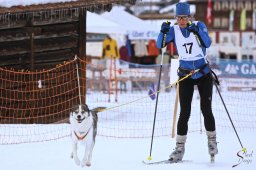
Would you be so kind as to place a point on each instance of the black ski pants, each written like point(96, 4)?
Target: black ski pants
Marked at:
point(186, 90)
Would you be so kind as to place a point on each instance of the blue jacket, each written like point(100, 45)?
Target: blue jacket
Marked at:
point(205, 43)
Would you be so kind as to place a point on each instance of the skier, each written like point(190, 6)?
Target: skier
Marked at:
point(191, 40)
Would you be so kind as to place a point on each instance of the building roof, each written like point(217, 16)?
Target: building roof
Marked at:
point(88, 4)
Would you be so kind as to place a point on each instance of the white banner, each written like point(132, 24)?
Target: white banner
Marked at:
point(174, 67)
point(146, 35)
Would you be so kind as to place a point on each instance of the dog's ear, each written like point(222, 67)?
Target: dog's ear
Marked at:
point(73, 109)
point(87, 108)
point(98, 109)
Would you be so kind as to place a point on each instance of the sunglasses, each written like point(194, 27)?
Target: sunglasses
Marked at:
point(185, 17)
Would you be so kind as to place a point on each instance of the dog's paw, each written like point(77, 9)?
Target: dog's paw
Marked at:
point(85, 163)
point(77, 161)
point(88, 164)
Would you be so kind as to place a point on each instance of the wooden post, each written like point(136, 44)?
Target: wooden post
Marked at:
point(175, 111)
point(32, 52)
point(81, 52)
point(30, 30)
point(82, 32)
point(31, 34)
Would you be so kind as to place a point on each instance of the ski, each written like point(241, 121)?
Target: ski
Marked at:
point(157, 162)
point(167, 161)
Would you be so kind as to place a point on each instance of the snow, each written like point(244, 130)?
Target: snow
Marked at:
point(10, 3)
point(127, 154)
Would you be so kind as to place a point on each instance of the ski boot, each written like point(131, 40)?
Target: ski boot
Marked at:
point(212, 144)
point(179, 150)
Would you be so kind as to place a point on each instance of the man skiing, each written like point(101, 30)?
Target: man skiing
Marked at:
point(191, 40)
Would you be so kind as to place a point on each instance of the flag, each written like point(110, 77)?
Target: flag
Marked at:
point(254, 19)
point(231, 20)
point(243, 20)
point(152, 91)
point(209, 12)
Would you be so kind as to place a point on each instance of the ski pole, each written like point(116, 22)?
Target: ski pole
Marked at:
point(216, 85)
point(158, 88)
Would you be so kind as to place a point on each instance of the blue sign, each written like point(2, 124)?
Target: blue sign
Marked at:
point(240, 69)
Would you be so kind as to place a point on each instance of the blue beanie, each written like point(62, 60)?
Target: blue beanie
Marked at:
point(182, 8)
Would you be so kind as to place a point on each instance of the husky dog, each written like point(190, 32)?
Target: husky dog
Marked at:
point(83, 130)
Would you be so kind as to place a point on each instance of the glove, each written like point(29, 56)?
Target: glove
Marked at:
point(152, 92)
point(165, 27)
point(191, 27)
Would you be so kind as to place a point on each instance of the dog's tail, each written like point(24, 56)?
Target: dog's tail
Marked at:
point(95, 112)
point(98, 109)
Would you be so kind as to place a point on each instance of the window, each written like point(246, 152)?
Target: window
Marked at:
point(216, 22)
point(248, 23)
point(220, 22)
point(244, 57)
point(225, 40)
point(224, 23)
point(232, 56)
point(250, 57)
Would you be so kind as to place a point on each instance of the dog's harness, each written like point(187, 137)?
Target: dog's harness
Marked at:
point(82, 137)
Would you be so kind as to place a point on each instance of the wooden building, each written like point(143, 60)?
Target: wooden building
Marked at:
point(226, 14)
point(38, 37)
point(41, 36)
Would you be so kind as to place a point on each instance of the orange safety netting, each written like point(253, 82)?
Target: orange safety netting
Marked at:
point(35, 106)
point(37, 97)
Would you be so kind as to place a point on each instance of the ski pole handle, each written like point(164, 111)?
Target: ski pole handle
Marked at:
point(164, 38)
